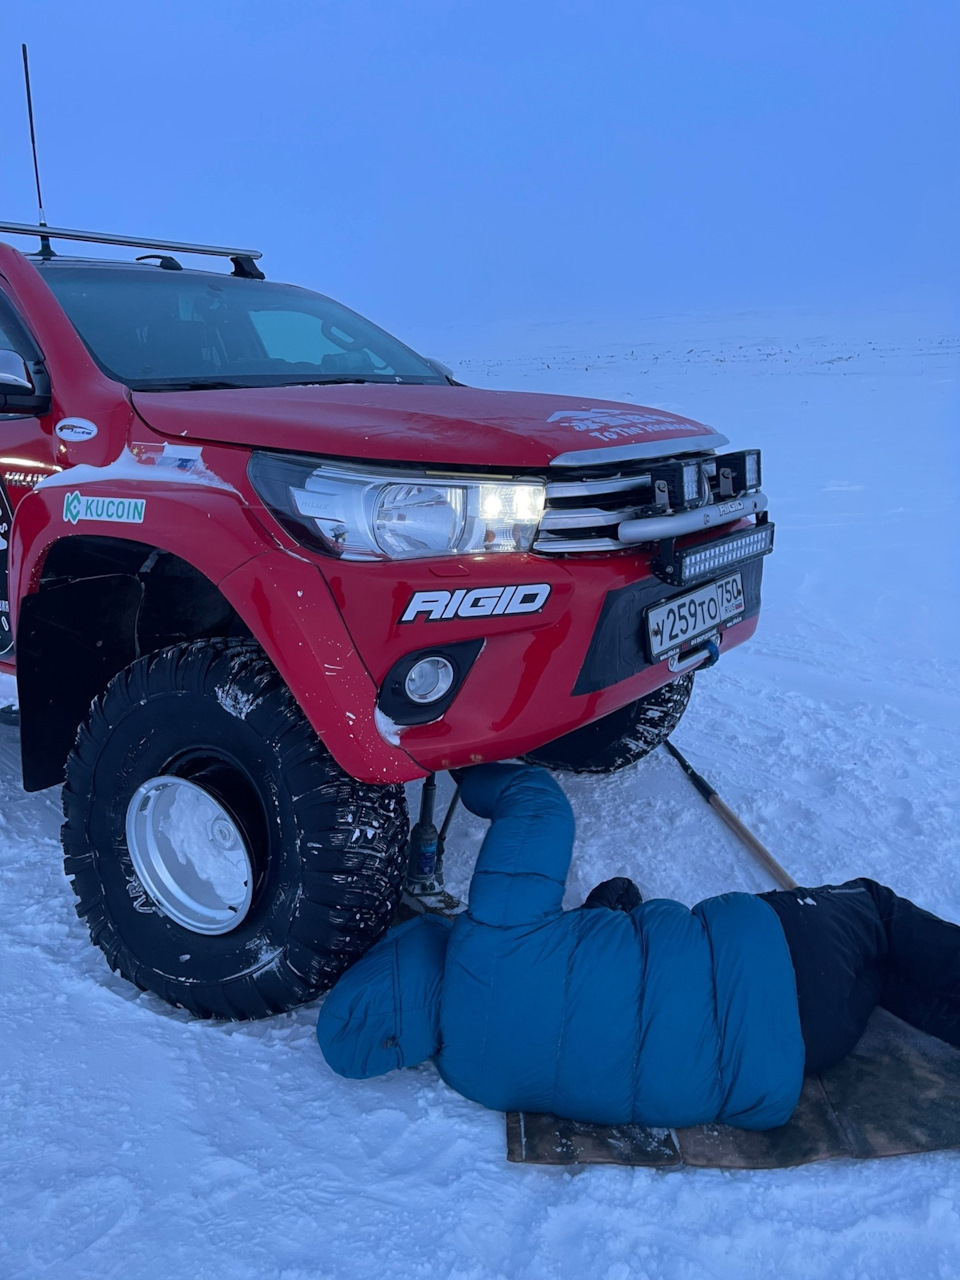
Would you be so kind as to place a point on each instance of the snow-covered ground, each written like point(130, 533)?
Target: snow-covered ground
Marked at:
point(135, 1142)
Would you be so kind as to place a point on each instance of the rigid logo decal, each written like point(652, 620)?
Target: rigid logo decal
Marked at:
point(77, 506)
point(481, 602)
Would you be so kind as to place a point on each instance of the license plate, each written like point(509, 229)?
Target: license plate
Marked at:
point(685, 619)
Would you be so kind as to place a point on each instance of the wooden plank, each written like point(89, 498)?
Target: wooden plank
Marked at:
point(896, 1094)
point(813, 1132)
point(533, 1138)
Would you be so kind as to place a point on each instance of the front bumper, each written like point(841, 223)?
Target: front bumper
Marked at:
point(537, 675)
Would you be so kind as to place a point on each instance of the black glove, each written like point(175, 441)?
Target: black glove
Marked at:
point(618, 894)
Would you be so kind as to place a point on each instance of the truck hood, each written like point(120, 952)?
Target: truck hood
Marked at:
point(439, 425)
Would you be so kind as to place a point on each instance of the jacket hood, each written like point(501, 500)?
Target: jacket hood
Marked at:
point(424, 424)
point(384, 1012)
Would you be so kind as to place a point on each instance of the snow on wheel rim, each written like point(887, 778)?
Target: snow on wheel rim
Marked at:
point(190, 855)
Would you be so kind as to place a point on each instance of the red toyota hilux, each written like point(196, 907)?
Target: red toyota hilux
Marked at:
point(262, 564)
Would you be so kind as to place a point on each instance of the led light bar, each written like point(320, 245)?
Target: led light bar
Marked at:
point(682, 568)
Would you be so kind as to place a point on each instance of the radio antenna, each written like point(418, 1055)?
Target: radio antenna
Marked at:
point(45, 250)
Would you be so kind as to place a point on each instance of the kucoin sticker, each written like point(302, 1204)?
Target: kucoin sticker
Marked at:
point(481, 602)
point(75, 429)
point(78, 506)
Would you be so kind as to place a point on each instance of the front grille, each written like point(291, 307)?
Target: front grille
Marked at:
point(582, 513)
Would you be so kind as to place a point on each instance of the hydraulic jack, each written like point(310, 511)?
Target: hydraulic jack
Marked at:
point(423, 888)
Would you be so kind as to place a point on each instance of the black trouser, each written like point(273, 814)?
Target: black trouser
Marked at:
point(857, 945)
point(853, 946)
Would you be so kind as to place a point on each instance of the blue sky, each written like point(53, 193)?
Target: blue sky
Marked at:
point(449, 159)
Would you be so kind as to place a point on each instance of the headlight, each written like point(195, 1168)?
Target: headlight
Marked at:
point(370, 515)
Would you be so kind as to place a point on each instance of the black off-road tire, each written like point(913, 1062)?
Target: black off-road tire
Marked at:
point(328, 852)
point(622, 737)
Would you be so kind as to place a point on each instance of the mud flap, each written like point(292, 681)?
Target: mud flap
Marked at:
point(66, 656)
point(897, 1093)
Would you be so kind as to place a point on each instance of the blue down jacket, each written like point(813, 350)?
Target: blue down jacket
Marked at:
point(664, 1017)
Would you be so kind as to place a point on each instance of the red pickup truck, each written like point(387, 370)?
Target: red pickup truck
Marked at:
point(262, 564)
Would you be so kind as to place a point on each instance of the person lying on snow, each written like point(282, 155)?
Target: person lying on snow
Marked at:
point(647, 1012)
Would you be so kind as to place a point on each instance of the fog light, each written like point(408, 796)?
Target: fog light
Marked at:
point(691, 482)
point(738, 472)
point(428, 680)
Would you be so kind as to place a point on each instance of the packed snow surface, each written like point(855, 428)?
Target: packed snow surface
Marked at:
point(137, 1142)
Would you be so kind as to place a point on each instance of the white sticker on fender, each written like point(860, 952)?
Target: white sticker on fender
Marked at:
point(76, 429)
point(480, 602)
point(77, 506)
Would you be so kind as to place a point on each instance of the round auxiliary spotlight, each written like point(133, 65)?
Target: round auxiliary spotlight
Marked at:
point(428, 680)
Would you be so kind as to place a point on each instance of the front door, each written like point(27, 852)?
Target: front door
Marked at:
point(26, 456)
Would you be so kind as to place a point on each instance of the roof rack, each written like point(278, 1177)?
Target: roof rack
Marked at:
point(243, 259)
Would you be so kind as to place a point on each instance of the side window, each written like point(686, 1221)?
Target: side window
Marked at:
point(13, 335)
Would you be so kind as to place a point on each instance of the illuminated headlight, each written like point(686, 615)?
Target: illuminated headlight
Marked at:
point(703, 562)
point(418, 519)
point(370, 515)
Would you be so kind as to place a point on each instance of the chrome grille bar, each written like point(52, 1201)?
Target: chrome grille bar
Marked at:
point(590, 488)
point(613, 507)
point(572, 546)
point(582, 518)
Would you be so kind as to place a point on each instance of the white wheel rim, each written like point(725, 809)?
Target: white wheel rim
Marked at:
point(190, 855)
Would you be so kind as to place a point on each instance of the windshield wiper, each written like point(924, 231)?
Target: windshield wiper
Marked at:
point(223, 384)
point(326, 382)
point(384, 380)
point(197, 384)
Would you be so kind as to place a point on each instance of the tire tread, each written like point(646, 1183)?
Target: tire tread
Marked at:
point(350, 885)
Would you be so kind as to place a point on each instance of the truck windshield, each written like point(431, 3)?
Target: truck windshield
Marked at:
point(158, 330)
